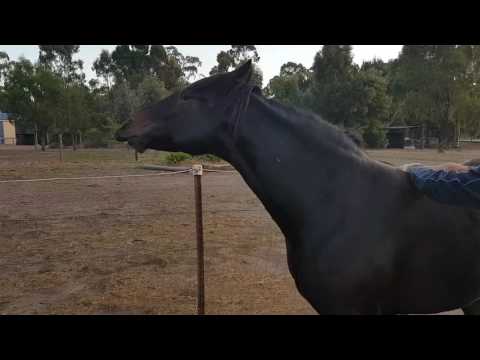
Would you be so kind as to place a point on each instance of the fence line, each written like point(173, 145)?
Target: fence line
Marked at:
point(206, 168)
point(197, 171)
point(221, 171)
point(112, 176)
point(92, 177)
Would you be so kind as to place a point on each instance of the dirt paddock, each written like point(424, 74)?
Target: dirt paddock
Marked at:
point(127, 245)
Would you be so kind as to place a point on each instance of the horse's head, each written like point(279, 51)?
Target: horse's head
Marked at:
point(193, 119)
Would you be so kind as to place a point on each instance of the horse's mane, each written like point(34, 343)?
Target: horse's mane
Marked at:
point(238, 99)
point(307, 120)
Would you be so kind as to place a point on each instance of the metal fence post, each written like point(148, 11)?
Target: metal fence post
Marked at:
point(197, 171)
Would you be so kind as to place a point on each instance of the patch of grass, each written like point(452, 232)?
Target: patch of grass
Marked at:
point(122, 156)
point(208, 157)
point(118, 155)
point(177, 157)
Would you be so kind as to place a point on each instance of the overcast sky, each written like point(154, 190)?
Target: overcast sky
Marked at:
point(272, 57)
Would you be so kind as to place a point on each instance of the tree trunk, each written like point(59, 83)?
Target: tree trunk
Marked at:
point(35, 135)
point(443, 137)
point(422, 140)
point(43, 139)
point(440, 139)
point(74, 145)
point(80, 140)
point(60, 141)
point(457, 134)
point(47, 138)
point(427, 137)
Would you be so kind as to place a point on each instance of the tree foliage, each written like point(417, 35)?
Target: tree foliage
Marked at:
point(290, 85)
point(436, 86)
point(59, 58)
point(32, 94)
point(236, 56)
point(345, 94)
point(4, 64)
point(374, 134)
point(133, 63)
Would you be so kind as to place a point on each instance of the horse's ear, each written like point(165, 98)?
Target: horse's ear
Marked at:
point(244, 72)
point(218, 86)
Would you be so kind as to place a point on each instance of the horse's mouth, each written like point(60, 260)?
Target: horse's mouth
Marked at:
point(135, 142)
point(139, 145)
point(143, 142)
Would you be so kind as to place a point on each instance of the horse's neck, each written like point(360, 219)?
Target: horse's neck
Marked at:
point(288, 165)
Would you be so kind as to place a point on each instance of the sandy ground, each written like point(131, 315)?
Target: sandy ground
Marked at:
point(127, 245)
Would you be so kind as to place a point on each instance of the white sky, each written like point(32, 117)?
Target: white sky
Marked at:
point(272, 57)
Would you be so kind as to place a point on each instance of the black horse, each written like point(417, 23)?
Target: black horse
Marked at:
point(359, 239)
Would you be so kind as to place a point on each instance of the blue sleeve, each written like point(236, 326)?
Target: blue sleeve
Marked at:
point(448, 187)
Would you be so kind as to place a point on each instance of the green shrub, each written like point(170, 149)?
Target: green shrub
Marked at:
point(96, 138)
point(177, 157)
point(374, 135)
point(356, 136)
point(208, 157)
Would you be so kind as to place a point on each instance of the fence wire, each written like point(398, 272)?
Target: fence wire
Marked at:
point(92, 177)
point(60, 217)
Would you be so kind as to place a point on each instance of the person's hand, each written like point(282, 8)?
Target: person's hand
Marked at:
point(405, 167)
point(448, 167)
point(451, 167)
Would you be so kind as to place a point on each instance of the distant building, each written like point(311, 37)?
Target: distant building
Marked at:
point(7, 130)
point(25, 136)
point(401, 137)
